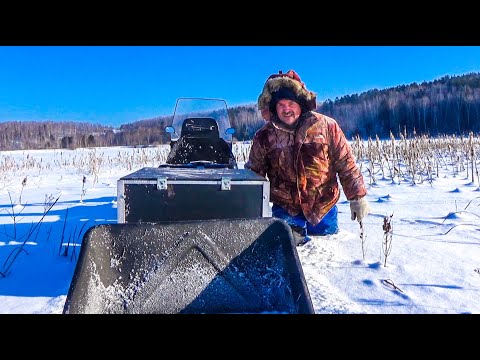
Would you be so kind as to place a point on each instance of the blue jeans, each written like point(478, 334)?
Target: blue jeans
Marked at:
point(328, 225)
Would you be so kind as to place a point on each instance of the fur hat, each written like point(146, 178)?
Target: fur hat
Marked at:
point(286, 86)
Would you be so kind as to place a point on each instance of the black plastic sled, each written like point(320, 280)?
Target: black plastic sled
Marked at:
point(190, 267)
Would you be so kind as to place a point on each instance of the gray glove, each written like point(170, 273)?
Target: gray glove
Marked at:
point(359, 208)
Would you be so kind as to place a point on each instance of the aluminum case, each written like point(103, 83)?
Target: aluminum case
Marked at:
point(165, 194)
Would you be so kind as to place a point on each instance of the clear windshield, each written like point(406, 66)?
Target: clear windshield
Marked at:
point(201, 107)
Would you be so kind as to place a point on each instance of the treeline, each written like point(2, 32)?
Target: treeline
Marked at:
point(16, 135)
point(20, 135)
point(449, 105)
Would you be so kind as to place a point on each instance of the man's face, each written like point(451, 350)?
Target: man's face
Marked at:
point(288, 111)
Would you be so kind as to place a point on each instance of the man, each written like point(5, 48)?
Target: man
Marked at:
point(301, 152)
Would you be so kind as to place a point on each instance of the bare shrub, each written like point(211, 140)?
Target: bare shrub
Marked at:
point(387, 238)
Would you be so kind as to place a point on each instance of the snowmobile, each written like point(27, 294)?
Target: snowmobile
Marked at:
point(200, 134)
point(193, 236)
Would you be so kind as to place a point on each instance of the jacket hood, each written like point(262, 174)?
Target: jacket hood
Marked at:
point(290, 81)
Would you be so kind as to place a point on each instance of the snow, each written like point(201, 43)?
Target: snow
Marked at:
point(432, 267)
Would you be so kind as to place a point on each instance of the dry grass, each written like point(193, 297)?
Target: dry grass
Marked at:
point(409, 160)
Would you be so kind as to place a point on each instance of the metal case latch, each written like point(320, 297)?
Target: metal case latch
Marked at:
point(226, 183)
point(162, 183)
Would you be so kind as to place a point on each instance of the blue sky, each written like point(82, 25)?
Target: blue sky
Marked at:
point(114, 85)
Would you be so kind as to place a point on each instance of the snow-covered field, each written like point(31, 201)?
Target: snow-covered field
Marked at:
point(49, 198)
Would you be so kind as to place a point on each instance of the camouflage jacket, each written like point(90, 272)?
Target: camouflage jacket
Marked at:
point(302, 165)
